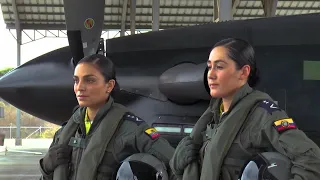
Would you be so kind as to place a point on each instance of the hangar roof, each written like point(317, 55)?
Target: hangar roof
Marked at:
point(49, 14)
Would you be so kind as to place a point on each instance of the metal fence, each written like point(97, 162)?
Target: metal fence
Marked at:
point(25, 131)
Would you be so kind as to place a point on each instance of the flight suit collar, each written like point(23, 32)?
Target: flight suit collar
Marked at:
point(240, 94)
point(104, 109)
point(79, 116)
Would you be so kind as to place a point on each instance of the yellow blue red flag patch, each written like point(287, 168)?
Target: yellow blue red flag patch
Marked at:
point(284, 124)
point(152, 132)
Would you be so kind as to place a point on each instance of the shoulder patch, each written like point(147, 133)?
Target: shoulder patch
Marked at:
point(152, 132)
point(269, 106)
point(132, 117)
point(284, 124)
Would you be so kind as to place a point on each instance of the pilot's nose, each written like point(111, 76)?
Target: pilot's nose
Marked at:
point(80, 86)
point(211, 74)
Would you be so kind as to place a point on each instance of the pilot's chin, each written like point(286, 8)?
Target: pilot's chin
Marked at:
point(82, 104)
point(215, 94)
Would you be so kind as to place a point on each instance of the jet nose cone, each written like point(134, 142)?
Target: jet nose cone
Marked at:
point(42, 87)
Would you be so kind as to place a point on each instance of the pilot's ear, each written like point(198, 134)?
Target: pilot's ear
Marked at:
point(110, 85)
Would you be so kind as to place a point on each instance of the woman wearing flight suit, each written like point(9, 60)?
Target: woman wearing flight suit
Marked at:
point(100, 133)
point(239, 123)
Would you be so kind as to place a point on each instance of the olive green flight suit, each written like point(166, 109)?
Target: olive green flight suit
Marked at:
point(130, 138)
point(258, 134)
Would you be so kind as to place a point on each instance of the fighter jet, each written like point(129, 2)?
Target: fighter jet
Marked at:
point(162, 75)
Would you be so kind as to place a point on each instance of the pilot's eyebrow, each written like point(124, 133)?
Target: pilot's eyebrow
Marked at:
point(220, 61)
point(88, 75)
point(217, 61)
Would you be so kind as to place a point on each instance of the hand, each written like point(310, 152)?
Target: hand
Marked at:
point(186, 152)
point(57, 155)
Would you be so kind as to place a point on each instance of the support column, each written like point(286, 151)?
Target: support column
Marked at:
point(269, 7)
point(223, 10)
point(18, 31)
point(235, 4)
point(155, 15)
point(215, 10)
point(225, 13)
point(133, 16)
point(123, 18)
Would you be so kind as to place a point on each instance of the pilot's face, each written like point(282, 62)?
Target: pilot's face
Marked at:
point(90, 87)
point(223, 77)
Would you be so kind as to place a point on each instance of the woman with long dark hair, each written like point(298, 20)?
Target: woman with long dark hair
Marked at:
point(101, 133)
point(239, 123)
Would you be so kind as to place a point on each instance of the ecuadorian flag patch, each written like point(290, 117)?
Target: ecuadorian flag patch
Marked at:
point(152, 132)
point(284, 124)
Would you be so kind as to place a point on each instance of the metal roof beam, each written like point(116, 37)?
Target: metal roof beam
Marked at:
point(149, 14)
point(62, 22)
point(123, 17)
point(56, 22)
point(105, 27)
point(117, 14)
point(224, 10)
point(290, 0)
point(169, 7)
point(281, 8)
point(269, 7)
point(133, 4)
point(235, 4)
point(155, 15)
point(215, 10)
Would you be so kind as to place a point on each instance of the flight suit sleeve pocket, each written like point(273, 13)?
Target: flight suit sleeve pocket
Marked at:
point(288, 141)
point(303, 153)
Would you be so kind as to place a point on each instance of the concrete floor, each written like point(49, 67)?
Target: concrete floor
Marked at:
point(20, 164)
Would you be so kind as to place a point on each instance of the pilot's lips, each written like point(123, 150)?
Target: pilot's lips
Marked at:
point(213, 86)
point(82, 97)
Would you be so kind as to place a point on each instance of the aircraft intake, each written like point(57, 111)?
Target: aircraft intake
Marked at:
point(185, 83)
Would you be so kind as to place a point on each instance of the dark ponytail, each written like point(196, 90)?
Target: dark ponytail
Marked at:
point(254, 78)
point(115, 89)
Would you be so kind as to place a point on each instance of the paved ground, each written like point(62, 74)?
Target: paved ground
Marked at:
point(20, 164)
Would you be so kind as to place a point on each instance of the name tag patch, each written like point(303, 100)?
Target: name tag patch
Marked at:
point(284, 124)
point(77, 142)
point(152, 132)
